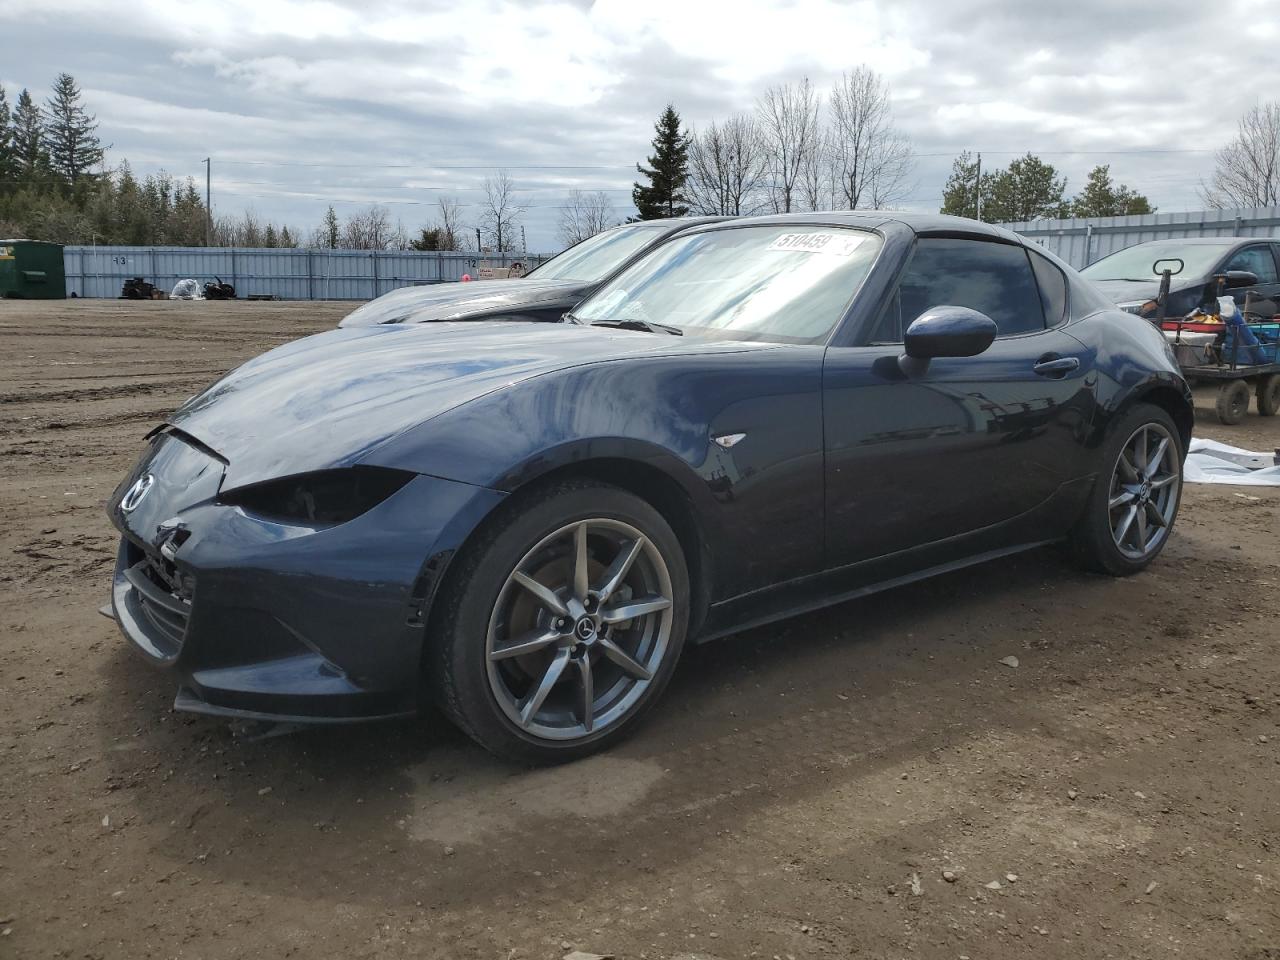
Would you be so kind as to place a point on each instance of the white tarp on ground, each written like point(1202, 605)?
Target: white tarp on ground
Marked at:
point(186, 290)
point(1212, 462)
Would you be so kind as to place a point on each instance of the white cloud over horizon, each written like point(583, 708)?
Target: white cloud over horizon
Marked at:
point(305, 102)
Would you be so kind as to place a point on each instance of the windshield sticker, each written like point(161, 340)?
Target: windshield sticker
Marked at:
point(839, 245)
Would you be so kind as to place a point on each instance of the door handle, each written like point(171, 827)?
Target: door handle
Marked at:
point(1056, 367)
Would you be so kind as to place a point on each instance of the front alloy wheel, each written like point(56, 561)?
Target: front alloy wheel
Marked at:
point(561, 622)
point(579, 630)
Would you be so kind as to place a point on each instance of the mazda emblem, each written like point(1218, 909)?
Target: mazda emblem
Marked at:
point(133, 496)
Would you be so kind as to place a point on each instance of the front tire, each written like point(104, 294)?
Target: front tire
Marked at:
point(1135, 499)
point(563, 623)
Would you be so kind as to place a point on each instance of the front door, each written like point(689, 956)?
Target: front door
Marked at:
point(973, 442)
point(1258, 259)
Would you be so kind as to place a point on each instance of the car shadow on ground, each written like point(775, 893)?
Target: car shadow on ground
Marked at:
point(411, 811)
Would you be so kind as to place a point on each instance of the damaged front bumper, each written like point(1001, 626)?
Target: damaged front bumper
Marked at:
point(260, 619)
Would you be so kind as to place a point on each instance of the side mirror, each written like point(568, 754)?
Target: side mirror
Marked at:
point(1239, 278)
point(945, 332)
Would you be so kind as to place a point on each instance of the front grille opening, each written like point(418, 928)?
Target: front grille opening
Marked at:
point(164, 594)
point(168, 577)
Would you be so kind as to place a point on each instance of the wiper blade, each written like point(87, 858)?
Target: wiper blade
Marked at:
point(634, 324)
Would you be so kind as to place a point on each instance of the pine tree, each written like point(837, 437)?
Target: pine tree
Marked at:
point(1028, 190)
point(667, 171)
point(30, 157)
point(1102, 197)
point(960, 195)
point(7, 166)
point(74, 149)
point(428, 238)
point(329, 230)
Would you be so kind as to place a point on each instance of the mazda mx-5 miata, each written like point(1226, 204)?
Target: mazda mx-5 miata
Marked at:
point(523, 523)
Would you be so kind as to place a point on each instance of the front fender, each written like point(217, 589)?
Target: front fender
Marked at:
point(663, 413)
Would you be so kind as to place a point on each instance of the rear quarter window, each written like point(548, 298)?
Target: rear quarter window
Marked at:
point(1053, 288)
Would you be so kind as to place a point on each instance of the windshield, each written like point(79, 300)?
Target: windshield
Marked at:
point(783, 283)
point(597, 257)
point(1134, 263)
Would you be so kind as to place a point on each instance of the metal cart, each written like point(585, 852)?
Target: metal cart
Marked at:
point(1234, 355)
point(1215, 352)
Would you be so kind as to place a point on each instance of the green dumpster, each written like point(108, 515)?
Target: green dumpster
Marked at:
point(32, 270)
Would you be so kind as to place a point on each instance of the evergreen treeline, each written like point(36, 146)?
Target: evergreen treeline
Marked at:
point(54, 185)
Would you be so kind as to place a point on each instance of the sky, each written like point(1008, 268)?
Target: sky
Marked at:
point(303, 103)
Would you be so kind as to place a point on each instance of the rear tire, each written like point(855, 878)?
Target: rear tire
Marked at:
point(1269, 395)
point(550, 576)
point(1135, 498)
point(1233, 402)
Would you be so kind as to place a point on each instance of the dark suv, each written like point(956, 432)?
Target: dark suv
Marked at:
point(1250, 264)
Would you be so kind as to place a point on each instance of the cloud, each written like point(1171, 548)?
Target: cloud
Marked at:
point(303, 102)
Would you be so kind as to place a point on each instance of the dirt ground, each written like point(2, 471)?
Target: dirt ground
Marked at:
point(800, 793)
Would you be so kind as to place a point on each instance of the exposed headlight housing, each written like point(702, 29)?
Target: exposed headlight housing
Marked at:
point(1140, 307)
point(322, 498)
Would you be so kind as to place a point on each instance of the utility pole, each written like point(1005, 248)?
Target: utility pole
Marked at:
point(524, 248)
point(977, 189)
point(479, 248)
point(208, 209)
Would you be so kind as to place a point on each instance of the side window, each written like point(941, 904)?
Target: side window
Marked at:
point(1053, 288)
point(992, 278)
point(1256, 260)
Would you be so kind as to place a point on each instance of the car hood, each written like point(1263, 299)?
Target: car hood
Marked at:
point(1133, 291)
point(457, 301)
point(331, 399)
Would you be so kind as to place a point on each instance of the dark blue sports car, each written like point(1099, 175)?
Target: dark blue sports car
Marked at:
point(524, 523)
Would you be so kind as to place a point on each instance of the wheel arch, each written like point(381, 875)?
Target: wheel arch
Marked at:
point(1174, 402)
point(1169, 393)
point(640, 477)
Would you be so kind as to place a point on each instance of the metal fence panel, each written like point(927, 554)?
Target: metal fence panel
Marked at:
point(1081, 242)
point(290, 274)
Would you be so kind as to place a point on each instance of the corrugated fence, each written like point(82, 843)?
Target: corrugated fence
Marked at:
point(1082, 242)
point(288, 274)
point(365, 274)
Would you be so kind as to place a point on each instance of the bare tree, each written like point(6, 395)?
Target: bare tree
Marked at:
point(584, 215)
point(500, 213)
point(1248, 168)
point(371, 229)
point(817, 186)
point(870, 160)
point(789, 121)
point(728, 168)
point(450, 223)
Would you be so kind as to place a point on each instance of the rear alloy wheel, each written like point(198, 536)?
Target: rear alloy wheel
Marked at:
point(1133, 505)
point(1144, 491)
point(564, 622)
point(1269, 395)
point(1233, 402)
